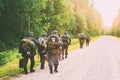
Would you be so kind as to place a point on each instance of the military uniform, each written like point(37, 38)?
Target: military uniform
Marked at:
point(81, 39)
point(66, 42)
point(42, 49)
point(87, 38)
point(28, 52)
point(53, 51)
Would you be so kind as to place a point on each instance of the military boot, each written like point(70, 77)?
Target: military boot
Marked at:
point(51, 69)
point(55, 70)
point(66, 55)
point(25, 69)
point(32, 70)
point(42, 66)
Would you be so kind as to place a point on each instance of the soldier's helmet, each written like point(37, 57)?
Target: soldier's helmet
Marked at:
point(65, 32)
point(55, 32)
point(31, 34)
point(44, 34)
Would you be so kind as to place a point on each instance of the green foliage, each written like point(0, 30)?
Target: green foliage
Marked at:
point(1, 7)
point(8, 56)
point(4, 58)
point(115, 30)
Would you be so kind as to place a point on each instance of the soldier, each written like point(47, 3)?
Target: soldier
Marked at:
point(81, 39)
point(42, 49)
point(53, 46)
point(66, 42)
point(87, 38)
point(27, 49)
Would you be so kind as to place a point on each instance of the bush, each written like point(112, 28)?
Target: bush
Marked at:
point(4, 58)
point(8, 56)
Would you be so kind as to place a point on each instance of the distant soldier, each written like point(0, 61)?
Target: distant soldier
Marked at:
point(42, 49)
point(87, 40)
point(66, 42)
point(53, 47)
point(81, 39)
point(27, 50)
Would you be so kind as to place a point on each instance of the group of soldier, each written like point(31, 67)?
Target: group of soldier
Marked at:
point(83, 38)
point(51, 48)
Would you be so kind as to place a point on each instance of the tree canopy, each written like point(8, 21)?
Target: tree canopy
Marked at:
point(115, 30)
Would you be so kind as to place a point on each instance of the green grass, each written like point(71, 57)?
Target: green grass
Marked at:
point(12, 68)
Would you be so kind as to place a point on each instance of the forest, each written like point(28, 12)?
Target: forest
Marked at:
point(18, 17)
point(115, 28)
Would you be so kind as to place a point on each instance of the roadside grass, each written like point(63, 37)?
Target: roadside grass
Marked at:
point(118, 38)
point(12, 68)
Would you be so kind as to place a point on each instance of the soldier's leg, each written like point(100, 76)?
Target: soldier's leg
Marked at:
point(56, 63)
point(42, 60)
point(81, 44)
point(25, 66)
point(59, 56)
point(32, 63)
point(66, 51)
point(88, 43)
point(63, 53)
point(50, 63)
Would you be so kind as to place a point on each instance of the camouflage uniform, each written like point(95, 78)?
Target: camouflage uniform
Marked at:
point(87, 38)
point(81, 39)
point(42, 49)
point(66, 42)
point(28, 51)
point(53, 58)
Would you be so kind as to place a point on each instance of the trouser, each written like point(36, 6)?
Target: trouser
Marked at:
point(32, 62)
point(65, 51)
point(53, 61)
point(42, 60)
point(87, 43)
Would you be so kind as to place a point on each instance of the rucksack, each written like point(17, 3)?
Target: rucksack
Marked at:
point(27, 45)
point(42, 44)
point(22, 48)
point(65, 40)
point(53, 42)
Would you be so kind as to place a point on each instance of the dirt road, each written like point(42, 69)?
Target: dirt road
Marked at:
point(99, 61)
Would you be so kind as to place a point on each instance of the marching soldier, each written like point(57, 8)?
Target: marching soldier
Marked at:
point(42, 49)
point(27, 49)
point(53, 46)
point(87, 38)
point(81, 39)
point(66, 42)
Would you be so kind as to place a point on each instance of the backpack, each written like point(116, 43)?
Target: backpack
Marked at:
point(42, 44)
point(65, 40)
point(27, 45)
point(22, 48)
point(53, 42)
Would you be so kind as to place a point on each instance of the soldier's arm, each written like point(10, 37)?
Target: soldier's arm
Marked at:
point(69, 40)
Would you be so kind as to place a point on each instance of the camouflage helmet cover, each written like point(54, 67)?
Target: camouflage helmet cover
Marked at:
point(44, 34)
point(55, 32)
point(65, 32)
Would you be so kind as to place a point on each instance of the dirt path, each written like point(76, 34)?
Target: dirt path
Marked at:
point(99, 61)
